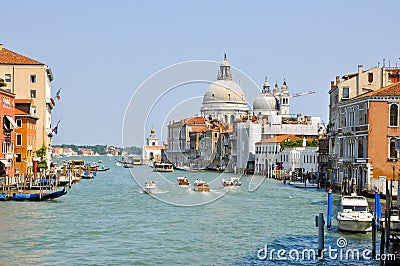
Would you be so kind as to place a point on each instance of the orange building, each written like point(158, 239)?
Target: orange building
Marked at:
point(25, 137)
point(368, 131)
point(7, 135)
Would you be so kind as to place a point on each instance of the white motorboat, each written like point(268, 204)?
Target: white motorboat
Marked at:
point(233, 182)
point(306, 184)
point(150, 186)
point(354, 215)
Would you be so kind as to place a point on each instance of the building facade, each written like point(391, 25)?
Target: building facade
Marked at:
point(353, 136)
point(25, 137)
point(7, 136)
point(30, 79)
point(151, 152)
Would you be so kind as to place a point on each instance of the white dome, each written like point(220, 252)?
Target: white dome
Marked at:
point(224, 91)
point(265, 102)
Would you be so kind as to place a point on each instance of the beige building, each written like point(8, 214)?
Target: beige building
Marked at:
point(30, 79)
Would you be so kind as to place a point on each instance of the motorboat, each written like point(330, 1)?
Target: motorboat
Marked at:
point(354, 215)
point(233, 182)
point(201, 186)
point(394, 220)
point(150, 186)
point(183, 181)
point(306, 184)
point(163, 167)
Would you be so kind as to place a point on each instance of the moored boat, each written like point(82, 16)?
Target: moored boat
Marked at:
point(354, 215)
point(183, 181)
point(201, 186)
point(306, 184)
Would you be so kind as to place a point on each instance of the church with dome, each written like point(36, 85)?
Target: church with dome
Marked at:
point(272, 103)
point(224, 136)
point(224, 99)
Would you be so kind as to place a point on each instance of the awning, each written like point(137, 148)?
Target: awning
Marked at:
point(5, 162)
point(12, 121)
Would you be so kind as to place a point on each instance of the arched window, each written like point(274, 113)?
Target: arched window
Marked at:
point(394, 115)
point(392, 149)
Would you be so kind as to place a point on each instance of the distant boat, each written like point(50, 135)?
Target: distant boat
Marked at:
point(150, 186)
point(233, 182)
point(306, 184)
point(201, 186)
point(163, 167)
point(183, 181)
point(354, 215)
point(102, 169)
point(183, 168)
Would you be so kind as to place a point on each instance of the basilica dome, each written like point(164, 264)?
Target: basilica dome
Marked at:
point(224, 91)
point(265, 102)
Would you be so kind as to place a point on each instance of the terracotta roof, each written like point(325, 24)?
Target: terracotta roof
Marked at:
point(194, 120)
point(8, 57)
point(199, 129)
point(279, 139)
point(23, 100)
point(154, 147)
point(390, 90)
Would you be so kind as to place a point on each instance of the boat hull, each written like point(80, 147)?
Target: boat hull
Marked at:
point(355, 226)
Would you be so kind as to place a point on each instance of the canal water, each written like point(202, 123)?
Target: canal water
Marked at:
point(110, 221)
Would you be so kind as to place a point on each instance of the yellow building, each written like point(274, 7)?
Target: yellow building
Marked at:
point(30, 79)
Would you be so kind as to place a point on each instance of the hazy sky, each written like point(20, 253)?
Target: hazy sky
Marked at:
point(102, 51)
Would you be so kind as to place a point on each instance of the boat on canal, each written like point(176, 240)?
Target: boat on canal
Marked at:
point(183, 181)
point(354, 215)
point(38, 196)
point(150, 186)
point(306, 184)
point(163, 167)
point(233, 182)
point(201, 186)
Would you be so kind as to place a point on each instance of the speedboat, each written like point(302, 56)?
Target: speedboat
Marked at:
point(234, 181)
point(150, 186)
point(183, 181)
point(354, 215)
point(201, 186)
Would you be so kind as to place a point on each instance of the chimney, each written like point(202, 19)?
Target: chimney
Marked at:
point(1, 47)
point(337, 80)
point(332, 85)
point(360, 69)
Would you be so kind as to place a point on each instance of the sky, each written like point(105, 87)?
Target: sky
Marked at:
point(101, 52)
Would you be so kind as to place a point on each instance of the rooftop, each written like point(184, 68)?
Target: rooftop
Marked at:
point(8, 57)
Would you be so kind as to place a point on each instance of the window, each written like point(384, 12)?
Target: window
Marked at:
point(7, 77)
point(19, 139)
point(33, 78)
point(18, 157)
point(215, 135)
point(345, 93)
point(361, 147)
point(392, 149)
point(394, 114)
point(19, 123)
point(370, 77)
point(153, 143)
point(33, 94)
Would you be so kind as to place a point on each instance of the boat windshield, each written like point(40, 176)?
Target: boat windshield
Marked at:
point(355, 208)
